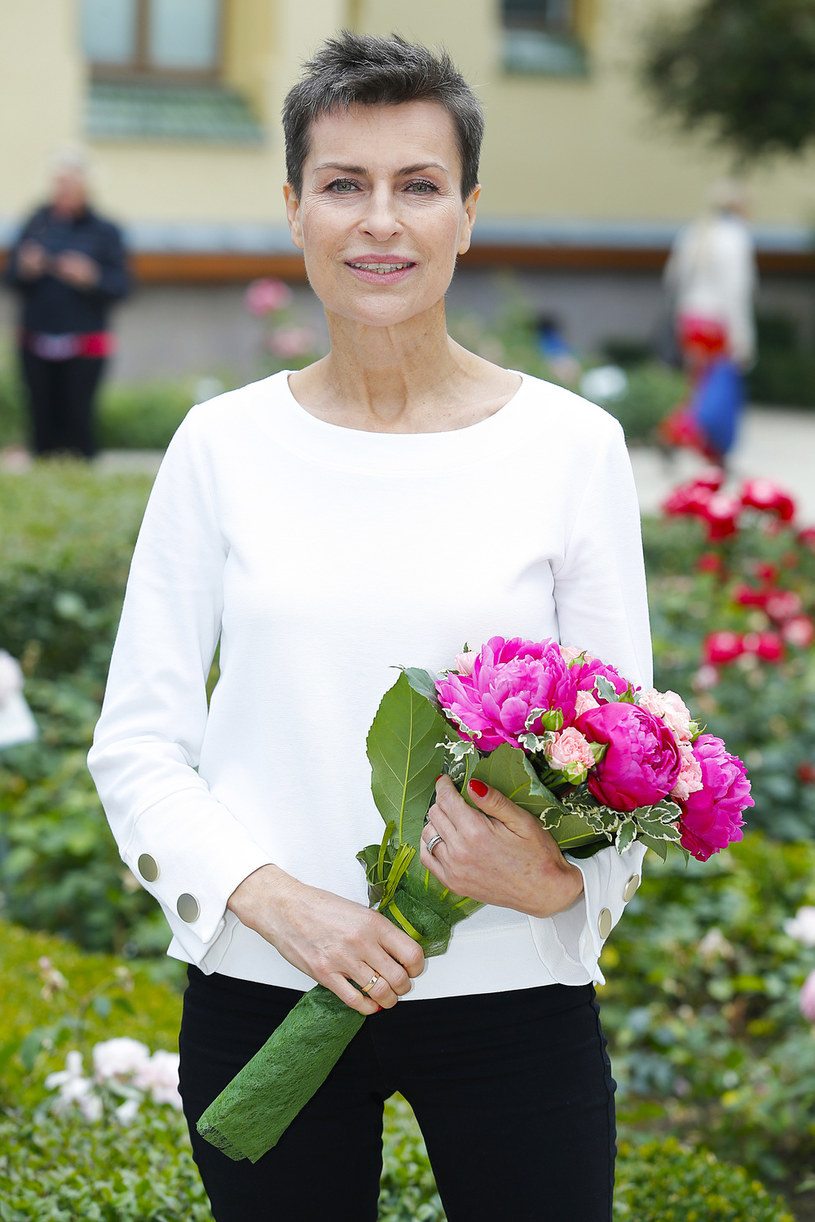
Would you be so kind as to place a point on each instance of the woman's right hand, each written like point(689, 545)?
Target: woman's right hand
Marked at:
point(339, 943)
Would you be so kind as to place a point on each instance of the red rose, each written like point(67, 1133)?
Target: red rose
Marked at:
point(719, 648)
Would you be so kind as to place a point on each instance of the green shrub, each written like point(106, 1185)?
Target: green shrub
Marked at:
point(662, 1181)
point(144, 415)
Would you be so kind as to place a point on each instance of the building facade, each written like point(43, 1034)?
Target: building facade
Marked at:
point(178, 103)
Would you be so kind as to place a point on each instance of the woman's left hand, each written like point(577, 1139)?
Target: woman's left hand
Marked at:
point(498, 854)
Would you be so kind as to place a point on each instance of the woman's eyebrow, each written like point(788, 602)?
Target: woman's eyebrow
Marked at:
point(362, 170)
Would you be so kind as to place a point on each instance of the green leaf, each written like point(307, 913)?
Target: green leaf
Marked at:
point(405, 756)
point(625, 835)
point(508, 770)
point(423, 683)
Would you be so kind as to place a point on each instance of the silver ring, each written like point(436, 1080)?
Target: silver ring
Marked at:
point(366, 988)
point(433, 841)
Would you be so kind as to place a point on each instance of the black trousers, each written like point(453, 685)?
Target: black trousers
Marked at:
point(513, 1093)
point(61, 402)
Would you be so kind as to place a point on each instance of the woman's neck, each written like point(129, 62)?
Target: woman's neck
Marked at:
point(411, 378)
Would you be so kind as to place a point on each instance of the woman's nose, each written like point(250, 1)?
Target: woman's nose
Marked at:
point(380, 218)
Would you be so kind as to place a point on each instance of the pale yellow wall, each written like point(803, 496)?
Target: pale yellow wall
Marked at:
point(584, 150)
point(41, 90)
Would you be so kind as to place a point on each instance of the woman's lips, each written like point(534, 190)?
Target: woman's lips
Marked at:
point(374, 269)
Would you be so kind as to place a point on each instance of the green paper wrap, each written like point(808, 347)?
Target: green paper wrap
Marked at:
point(255, 1109)
point(260, 1102)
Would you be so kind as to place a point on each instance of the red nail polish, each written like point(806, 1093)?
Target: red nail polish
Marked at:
point(479, 788)
point(438, 778)
point(378, 1008)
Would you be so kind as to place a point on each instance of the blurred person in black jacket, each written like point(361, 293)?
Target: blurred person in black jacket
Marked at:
point(68, 266)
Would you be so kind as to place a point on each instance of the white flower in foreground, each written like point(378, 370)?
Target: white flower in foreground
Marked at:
point(11, 677)
point(74, 1088)
point(159, 1076)
point(802, 926)
point(119, 1058)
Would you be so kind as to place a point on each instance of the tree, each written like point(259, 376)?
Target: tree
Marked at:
point(742, 69)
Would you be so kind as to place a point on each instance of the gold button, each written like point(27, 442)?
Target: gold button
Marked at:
point(604, 923)
point(188, 907)
point(630, 887)
point(148, 868)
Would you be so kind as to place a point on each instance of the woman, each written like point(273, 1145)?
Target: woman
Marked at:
point(68, 267)
point(379, 507)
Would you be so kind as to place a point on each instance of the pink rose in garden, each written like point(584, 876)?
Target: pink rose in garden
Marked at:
point(509, 679)
point(721, 516)
point(802, 926)
point(288, 342)
point(266, 297)
point(571, 753)
point(799, 631)
point(766, 496)
point(642, 762)
point(769, 646)
point(711, 817)
point(782, 605)
point(806, 998)
point(719, 648)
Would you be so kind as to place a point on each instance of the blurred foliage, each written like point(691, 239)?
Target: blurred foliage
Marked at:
point(765, 711)
point(143, 1171)
point(744, 70)
point(784, 373)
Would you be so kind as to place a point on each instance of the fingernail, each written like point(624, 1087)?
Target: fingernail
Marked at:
point(378, 1008)
point(478, 788)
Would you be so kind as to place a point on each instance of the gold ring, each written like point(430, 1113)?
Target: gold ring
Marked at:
point(366, 988)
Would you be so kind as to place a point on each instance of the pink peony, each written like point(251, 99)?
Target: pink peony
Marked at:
point(806, 998)
point(570, 753)
point(509, 679)
point(588, 669)
point(266, 297)
point(711, 817)
point(642, 762)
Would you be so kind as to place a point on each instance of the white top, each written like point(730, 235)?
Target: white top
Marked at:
point(321, 557)
point(713, 275)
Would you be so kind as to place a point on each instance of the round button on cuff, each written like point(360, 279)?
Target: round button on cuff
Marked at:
point(188, 907)
point(630, 887)
point(148, 868)
point(604, 923)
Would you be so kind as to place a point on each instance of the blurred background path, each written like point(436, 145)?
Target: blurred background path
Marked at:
point(777, 444)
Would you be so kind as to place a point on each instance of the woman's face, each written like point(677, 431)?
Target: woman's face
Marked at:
point(380, 218)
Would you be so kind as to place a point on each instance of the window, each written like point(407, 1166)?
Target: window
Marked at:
point(541, 36)
point(155, 38)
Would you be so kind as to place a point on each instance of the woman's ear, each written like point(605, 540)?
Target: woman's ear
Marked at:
point(293, 215)
point(469, 219)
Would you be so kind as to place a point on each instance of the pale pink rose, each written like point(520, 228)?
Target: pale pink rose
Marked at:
point(690, 776)
point(570, 752)
point(706, 677)
point(569, 653)
point(802, 926)
point(466, 661)
point(671, 708)
point(289, 342)
point(119, 1058)
point(585, 701)
point(806, 998)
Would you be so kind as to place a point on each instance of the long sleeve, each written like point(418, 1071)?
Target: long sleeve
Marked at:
point(182, 844)
point(602, 606)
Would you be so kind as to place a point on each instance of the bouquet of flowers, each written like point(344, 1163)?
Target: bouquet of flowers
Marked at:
point(563, 735)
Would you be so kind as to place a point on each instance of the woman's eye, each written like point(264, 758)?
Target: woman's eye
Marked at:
point(342, 186)
point(420, 187)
